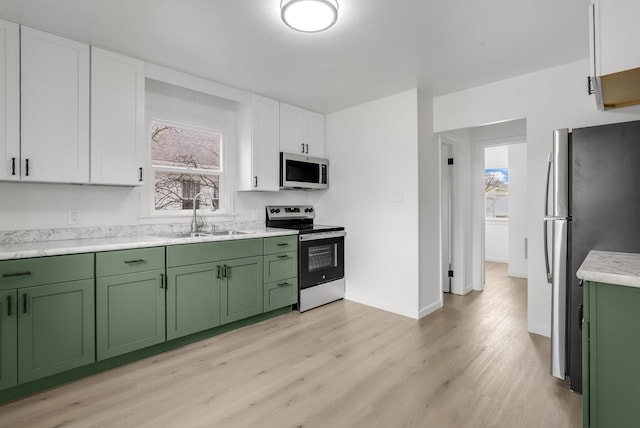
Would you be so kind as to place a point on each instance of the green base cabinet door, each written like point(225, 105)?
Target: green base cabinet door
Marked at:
point(56, 328)
point(193, 299)
point(241, 289)
point(613, 390)
point(8, 339)
point(130, 312)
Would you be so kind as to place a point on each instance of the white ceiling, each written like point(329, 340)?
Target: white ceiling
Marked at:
point(377, 48)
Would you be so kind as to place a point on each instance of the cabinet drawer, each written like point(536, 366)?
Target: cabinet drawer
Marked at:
point(280, 266)
point(280, 294)
point(45, 270)
point(280, 244)
point(191, 254)
point(129, 261)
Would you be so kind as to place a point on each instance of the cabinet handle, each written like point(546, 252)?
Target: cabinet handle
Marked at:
point(284, 256)
point(225, 271)
point(580, 316)
point(9, 306)
point(161, 280)
point(140, 177)
point(218, 274)
point(283, 244)
point(307, 149)
point(136, 261)
point(282, 284)
point(255, 181)
point(24, 303)
point(26, 165)
point(13, 166)
point(11, 275)
point(302, 144)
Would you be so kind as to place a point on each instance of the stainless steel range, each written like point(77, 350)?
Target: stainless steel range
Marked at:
point(320, 254)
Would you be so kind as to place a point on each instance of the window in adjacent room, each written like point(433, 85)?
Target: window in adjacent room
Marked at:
point(186, 160)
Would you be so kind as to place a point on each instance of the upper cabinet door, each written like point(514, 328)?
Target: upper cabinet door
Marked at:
point(265, 137)
point(117, 118)
point(301, 131)
point(9, 100)
point(292, 129)
point(54, 108)
point(315, 134)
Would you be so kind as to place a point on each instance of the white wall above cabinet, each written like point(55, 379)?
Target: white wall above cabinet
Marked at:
point(54, 108)
point(301, 131)
point(117, 118)
point(615, 58)
point(258, 154)
point(9, 100)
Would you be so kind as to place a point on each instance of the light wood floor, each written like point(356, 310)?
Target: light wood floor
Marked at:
point(471, 364)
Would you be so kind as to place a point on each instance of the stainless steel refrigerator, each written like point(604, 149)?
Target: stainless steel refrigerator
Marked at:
point(593, 202)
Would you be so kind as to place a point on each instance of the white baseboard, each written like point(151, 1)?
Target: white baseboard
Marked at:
point(495, 259)
point(430, 309)
point(542, 330)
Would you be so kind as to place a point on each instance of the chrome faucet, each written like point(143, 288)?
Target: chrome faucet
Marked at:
point(194, 223)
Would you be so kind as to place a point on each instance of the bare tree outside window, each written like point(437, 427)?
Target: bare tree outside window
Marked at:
point(186, 161)
point(496, 191)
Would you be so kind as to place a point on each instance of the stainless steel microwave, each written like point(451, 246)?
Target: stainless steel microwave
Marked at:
point(303, 172)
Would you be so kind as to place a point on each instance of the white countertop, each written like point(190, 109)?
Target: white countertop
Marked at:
point(611, 268)
point(22, 250)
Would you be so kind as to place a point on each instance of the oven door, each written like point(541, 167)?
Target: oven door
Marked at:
point(321, 258)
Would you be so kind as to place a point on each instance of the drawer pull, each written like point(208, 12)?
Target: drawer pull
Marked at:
point(133, 262)
point(24, 303)
point(161, 280)
point(282, 284)
point(283, 244)
point(12, 275)
point(284, 256)
point(9, 306)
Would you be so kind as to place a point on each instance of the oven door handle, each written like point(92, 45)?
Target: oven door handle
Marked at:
point(322, 235)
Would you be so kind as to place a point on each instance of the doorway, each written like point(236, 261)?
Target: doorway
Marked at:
point(463, 205)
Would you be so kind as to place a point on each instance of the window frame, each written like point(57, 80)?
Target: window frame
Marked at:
point(224, 191)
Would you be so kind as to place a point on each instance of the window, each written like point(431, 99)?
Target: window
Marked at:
point(496, 192)
point(186, 160)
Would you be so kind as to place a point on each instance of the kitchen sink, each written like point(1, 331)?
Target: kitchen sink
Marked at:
point(202, 234)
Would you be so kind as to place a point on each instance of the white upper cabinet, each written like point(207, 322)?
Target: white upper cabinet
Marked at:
point(259, 157)
point(615, 58)
point(301, 131)
point(54, 108)
point(117, 118)
point(9, 100)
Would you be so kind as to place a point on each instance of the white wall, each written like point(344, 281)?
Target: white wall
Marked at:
point(496, 157)
point(373, 149)
point(548, 99)
point(496, 240)
point(518, 210)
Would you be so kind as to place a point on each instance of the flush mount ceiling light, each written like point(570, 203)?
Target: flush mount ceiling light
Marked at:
point(309, 16)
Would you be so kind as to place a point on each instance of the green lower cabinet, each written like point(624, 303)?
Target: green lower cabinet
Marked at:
point(193, 299)
point(280, 294)
point(611, 374)
point(55, 328)
point(241, 289)
point(130, 312)
point(8, 339)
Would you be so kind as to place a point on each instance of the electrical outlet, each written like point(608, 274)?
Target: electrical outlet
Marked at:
point(73, 217)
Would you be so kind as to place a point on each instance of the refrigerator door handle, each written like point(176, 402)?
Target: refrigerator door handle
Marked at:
point(546, 195)
point(546, 250)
